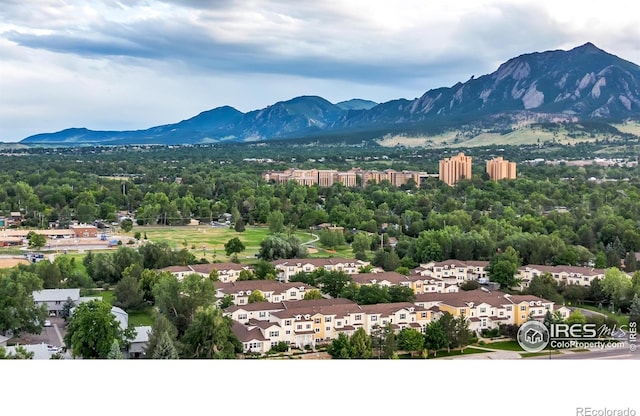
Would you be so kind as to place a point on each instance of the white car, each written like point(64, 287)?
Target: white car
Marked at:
point(47, 322)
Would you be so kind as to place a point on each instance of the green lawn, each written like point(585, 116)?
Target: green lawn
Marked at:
point(142, 317)
point(208, 242)
point(503, 345)
point(454, 353)
point(621, 319)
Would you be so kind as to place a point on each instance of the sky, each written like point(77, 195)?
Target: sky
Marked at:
point(134, 64)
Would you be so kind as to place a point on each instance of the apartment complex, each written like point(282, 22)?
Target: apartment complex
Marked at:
point(563, 275)
point(271, 290)
point(499, 169)
point(227, 272)
point(290, 267)
point(455, 168)
point(350, 178)
point(262, 325)
point(259, 326)
point(416, 282)
point(453, 272)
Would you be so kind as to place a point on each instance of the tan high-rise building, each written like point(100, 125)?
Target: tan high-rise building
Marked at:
point(498, 169)
point(455, 168)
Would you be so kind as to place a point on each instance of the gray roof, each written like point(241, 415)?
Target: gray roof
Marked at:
point(53, 295)
point(142, 334)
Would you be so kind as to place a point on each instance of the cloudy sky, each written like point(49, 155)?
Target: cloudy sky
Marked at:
point(133, 64)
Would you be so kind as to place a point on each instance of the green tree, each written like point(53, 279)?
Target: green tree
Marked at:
point(389, 342)
point(36, 241)
point(233, 247)
point(161, 325)
point(545, 287)
point(503, 268)
point(331, 239)
point(128, 293)
point(617, 285)
point(312, 294)
point(275, 219)
point(115, 353)
point(410, 340)
point(66, 309)
point(18, 311)
point(126, 225)
point(210, 336)
point(239, 225)
point(360, 346)
point(399, 293)
point(449, 328)
point(434, 337)
point(165, 349)
point(361, 243)
point(92, 329)
point(333, 282)
point(264, 270)
point(226, 301)
point(340, 347)
point(462, 333)
point(256, 296)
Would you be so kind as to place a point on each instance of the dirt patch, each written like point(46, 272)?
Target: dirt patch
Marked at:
point(312, 250)
point(8, 263)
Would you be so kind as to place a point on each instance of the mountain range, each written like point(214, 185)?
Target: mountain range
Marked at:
point(582, 83)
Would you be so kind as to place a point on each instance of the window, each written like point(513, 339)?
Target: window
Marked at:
point(423, 315)
point(262, 314)
point(274, 343)
point(403, 316)
point(293, 294)
point(242, 316)
point(374, 318)
point(308, 326)
point(327, 319)
point(483, 310)
point(317, 320)
point(241, 301)
point(274, 333)
point(57, 302)
point(287, 322)
point(501, 313)
point(287, 332)
point(508, 308)
point(339, 323)
point(299, 327)
point(327, 328)
point(317, 330)
point(358, 317)
point(523, 307)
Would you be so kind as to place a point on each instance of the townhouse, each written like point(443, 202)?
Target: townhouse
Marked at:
point(227, 272)
point(273, 291)
point(487, 309)
point(289, 267)
point(312, 322)
point(417, 283)
point(453, 271)
point(563, 275)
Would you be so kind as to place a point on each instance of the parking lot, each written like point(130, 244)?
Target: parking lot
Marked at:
point(49, 335)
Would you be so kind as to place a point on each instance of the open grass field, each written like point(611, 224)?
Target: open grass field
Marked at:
point(208, 242)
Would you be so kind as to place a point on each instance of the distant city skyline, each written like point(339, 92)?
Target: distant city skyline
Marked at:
point(111, 65)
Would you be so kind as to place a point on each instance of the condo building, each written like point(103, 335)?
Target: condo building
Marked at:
point(455, 168)
point(499, 169)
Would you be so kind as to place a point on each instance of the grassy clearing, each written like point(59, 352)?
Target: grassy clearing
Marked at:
point(454, 353)
point(620, 318)
point(143, 317)
point(208, 242)
point(503, 345)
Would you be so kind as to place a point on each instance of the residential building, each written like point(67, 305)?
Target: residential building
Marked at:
point(453, 271)
point(563, 275)
point(455, 168)
point(55, 298)
point(139, 343)
point(312, 322)
point(289, 267)
point(326, 178)
point(499, 169)
point(227, 272)
point(487, 309)
point(272, 291)
point(84, 231)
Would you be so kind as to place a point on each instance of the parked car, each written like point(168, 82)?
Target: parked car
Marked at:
point(47, 322)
